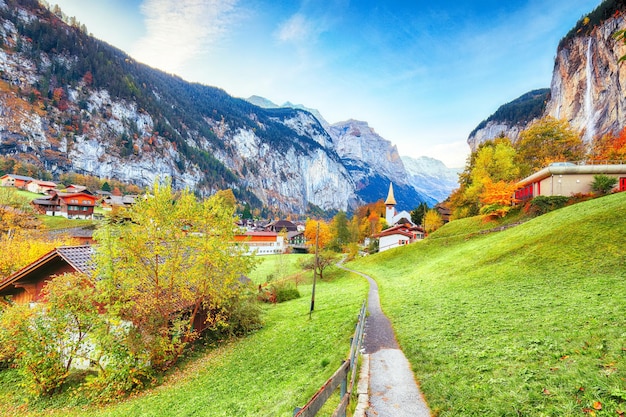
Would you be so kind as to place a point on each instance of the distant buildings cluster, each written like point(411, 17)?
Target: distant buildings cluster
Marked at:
point(72, 202)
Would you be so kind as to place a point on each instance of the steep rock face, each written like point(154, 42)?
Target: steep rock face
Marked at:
point(588, 87)
point(357, 142)
point(493, 130)
point(588, 82)
point(431, 176)
point(291, 178)
point(374, 162)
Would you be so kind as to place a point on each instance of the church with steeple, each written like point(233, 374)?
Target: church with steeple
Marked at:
point(401, 230)
point(392, 216)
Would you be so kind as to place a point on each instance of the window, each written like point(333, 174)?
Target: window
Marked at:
point(73, 200)
point(87, 202)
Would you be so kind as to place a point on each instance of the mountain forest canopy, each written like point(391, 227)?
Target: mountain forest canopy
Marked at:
point(521, 110)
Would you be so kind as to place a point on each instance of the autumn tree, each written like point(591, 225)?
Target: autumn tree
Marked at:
point(497, 198)
point(432, 221)
point(23, 240)
point(493, 161)
point(545, 141)
point(610, 147)
point(340, 232)
point(227, 196)
point(325, 236)
point(173, 260)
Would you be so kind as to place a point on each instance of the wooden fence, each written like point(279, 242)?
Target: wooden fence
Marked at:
point(344, 378)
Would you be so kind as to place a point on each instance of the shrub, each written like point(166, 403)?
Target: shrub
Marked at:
point(286, 292)
point(245, 316)
point(544, 204)
point(603, 184)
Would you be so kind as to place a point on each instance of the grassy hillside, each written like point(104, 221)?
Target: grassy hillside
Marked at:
point(266, 374)
point(530, 321)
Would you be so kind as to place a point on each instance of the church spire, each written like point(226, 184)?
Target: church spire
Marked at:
point(391, 201)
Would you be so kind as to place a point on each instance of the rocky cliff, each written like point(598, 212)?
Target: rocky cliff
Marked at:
point(588, 87)
point(431, 176)
point(588, 83)
point(373, 162)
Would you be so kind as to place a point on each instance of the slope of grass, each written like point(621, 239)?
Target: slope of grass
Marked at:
point(266, 374)
point(277, 267)
point(529, 321)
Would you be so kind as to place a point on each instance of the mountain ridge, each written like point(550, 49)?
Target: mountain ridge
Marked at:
point(79, 104)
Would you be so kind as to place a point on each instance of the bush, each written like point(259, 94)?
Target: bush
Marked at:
point(245, 316)
point(603, 184)
point(286, 292)
point(545, 204)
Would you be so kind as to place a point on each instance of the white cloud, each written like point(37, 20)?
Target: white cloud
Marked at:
point(296, 29)
point(178, 30)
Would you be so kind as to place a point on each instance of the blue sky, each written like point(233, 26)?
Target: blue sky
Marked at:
point(422, 73)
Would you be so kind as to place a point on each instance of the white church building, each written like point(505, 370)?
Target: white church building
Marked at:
point(402, 231)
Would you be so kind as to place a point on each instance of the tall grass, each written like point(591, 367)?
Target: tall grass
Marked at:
point(529, 321)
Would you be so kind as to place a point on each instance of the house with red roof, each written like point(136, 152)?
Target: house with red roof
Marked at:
point(17, 181)
point(40, 187)
point(70, 205)
point(399, 235)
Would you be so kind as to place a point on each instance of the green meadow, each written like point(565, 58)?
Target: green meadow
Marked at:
point(530, 321)
point(268, 373)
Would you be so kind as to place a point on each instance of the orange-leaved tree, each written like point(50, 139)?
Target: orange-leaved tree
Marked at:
point(497, 198)
point(610, 147)
point(325, 233)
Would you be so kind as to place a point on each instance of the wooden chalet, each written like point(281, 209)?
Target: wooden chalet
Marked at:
point(40, 187)
point(12, 180)
point(25, 285)
point(297, 242)
point(280, 225)
point(70, 205)
point(112, 201)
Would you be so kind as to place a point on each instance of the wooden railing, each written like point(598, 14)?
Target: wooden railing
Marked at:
point(344, 377)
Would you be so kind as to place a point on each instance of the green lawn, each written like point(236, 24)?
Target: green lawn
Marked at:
point(530, 321)
point(266, 374)
point(277, 267)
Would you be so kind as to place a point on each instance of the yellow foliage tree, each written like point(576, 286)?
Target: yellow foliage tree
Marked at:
point(432, 221)
point(174, 259)
point(494, 161)
point(325, 233)
point(545, 141)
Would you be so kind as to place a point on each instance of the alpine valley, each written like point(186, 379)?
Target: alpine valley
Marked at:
point(70, 102)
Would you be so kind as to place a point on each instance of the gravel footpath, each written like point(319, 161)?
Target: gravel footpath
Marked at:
point(393, 391)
